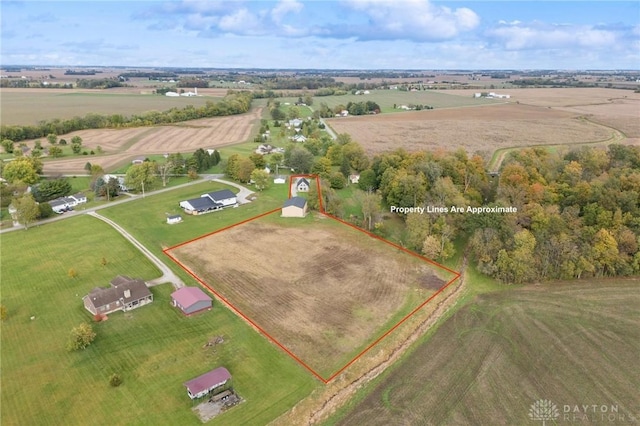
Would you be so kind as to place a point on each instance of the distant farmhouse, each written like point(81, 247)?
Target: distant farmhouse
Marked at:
point(121, 185)
point(210, 202)
point(190, 300)
point(124, 294)
point(295, 207)
point(202, 385)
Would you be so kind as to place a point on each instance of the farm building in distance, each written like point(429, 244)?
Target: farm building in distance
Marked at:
point(295, 207)
point(124, 294)
point(190, 300)
point(210, 202)
point(202, 385)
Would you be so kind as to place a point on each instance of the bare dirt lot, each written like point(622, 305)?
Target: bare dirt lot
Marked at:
point(121, 145)
point(472, 128)
point(321, 289)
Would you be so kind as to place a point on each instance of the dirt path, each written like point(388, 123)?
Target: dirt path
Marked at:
point(167, 274)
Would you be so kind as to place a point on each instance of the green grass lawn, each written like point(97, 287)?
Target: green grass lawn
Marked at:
point(155, 349)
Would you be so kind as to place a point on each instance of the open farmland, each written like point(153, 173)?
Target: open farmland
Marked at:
point(29, 106)
point(121, 145)
point(387, 98)
point(474, 129)
point(323, 290)
point(612, 107)
point(571, 343)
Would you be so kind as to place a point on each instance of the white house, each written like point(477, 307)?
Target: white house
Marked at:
point(279, 179)
point(172, 94)
point(79, 197)
point(302, 185)
point(354, 178)
point(224, 197)
point(299, 138)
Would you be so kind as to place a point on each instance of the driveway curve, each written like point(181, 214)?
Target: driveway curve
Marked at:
point(167, 274)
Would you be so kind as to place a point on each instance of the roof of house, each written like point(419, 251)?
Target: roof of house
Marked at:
point(295, 201)
point(221, 195)
point(302, 180)
point(79, 196)
point(207, 380)
point(101, 296)
point(187, 296)
point(58, 202)
point(201, 203)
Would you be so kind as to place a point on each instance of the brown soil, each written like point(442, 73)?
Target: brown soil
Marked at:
point(473, 128)
point(322, 290)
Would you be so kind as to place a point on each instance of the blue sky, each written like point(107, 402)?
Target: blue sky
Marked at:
point(338, 34)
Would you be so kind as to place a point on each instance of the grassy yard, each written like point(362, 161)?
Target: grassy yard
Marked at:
point(155, 349)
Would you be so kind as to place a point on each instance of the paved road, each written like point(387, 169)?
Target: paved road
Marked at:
point(167, 274)
point(242, 197)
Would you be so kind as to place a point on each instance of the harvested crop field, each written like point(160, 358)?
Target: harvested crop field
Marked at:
point(121, 145)
point(321, 289)
point(572, 343)
point(29, 106)
point(472, 128)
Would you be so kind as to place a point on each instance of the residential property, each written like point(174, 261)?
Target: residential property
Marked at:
point(295, 207)
point(355, 178)
point(123, 294)
point(210, 202)
point(299, 138)
point(121, 185)
point(64, 204)
point(202, 385)
point(302, 185)
point(279, 179)
point(176, 218)
point(191, 300)
point(138, 160)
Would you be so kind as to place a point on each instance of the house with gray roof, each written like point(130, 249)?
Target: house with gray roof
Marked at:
point(295, 207)
point(123, 294)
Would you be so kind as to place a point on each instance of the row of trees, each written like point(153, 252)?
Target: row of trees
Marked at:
point(233, 103)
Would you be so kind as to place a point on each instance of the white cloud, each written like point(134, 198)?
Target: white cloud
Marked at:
point(536, 35)
point(285, 7)
point(417, 20)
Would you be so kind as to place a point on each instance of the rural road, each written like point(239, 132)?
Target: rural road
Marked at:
point(167, 274)
point(242, 197)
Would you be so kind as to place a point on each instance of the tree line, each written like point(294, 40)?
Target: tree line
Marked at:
point(233, 103)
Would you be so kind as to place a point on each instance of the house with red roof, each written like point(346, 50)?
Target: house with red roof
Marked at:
point(191, 300)
point(202, 385)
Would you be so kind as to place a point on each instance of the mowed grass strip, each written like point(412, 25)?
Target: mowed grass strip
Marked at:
point(322, 289)
point(572, 343)
point(155, 348)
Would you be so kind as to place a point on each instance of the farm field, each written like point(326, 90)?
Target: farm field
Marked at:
point(320, 288)
point(474, 129)
point(386, 99)
point(122, 145)
point(572, 343)
point(29, 106)
point(612, 107)
point(155, 348)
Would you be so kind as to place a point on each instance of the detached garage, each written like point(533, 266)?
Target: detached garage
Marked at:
point(190, 300)
point(295, 207)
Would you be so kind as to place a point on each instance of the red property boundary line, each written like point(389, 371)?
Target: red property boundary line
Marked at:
point(273, 339)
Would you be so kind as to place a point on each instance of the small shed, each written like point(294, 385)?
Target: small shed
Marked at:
point(295, 207)
point(190, 300)
point(202, 385)
point(176, 218)
point(279, 179)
